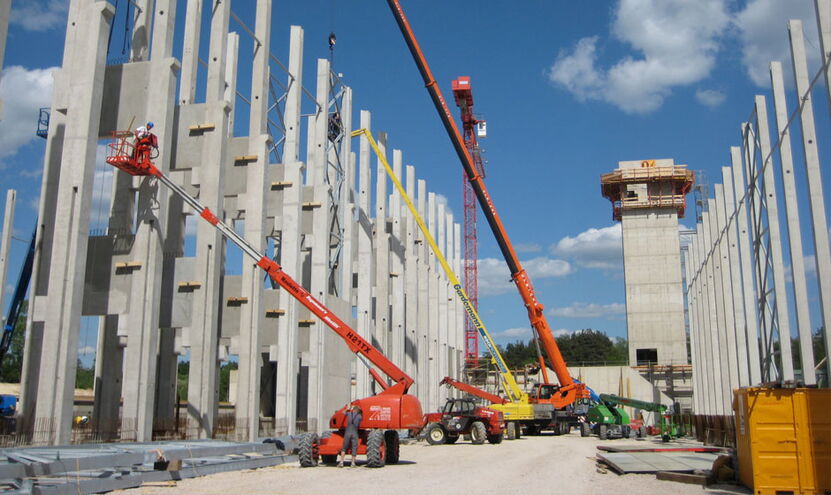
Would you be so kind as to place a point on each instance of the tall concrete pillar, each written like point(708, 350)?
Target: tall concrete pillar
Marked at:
point(190, 52)
point(423, 303)
point(5, 242)
point(743, 241)
point(786, 174)
point(108, 379)
point(781, 317)
point(722, 260)
point(441, 325)
point(285, 420)
point(719, 325)
point(703, 321)
point(206, 311)
point(433, 309)
point(382, 253)
point(411, 280)
point(460, 313)
point(252, 314)
point(5, 10)
point(348, 200)
point(142, 320)
point(396, 280)
point(819, 220)
point(719, 367)
point(735, 280)
point(83, 79)
point(142, 28)
point(366, 277)
point(691, 324)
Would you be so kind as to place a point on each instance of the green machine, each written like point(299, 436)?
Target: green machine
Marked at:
point(606, 420)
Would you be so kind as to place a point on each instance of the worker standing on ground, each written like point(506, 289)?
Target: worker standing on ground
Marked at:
point(350, 437)
point(146, 141)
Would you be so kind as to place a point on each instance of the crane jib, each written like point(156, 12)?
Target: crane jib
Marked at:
point(471, 312)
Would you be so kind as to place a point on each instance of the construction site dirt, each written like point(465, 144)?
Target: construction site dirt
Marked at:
point(531, 465)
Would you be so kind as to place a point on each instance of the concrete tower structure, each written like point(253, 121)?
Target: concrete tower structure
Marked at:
point(648, 197)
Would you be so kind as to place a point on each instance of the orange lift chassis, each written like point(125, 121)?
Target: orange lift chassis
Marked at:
point(569, 390)
point(389, 410)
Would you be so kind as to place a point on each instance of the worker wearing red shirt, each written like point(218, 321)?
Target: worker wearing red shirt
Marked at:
point(146, 141)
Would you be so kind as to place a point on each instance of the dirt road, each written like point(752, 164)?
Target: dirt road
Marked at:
point(528, 466)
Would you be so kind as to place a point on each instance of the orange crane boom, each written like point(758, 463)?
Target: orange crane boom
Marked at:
point(569, 390)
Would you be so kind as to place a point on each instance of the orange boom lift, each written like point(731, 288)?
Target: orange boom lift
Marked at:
point(569, 390)
point(389, 410)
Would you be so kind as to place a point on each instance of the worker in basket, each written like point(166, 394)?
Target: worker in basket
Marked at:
point(146, 142)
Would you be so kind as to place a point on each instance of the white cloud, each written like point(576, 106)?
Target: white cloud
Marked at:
point(710, 97)
point(39, 15)
point(495, 278)
point(595, 248)
point(441, 199)
point(763, 31)
point(562, 331)
point(86, 350)
point(589, 310)
point(676, 42)
point(24, 93)
point(514, 333)
point(530, 247)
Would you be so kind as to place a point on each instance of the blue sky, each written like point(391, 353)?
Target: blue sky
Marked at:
point(568, 90)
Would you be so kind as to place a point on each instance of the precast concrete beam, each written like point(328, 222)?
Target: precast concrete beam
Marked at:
point(366, 275)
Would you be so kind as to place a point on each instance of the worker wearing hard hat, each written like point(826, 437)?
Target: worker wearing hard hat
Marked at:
point(146, 141)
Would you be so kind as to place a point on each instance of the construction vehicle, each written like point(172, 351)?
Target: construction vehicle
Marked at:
point(390, 410)
point(568, 391)
point(533, 412)
point(666, 426)
point(463, 417)
point(16, 306)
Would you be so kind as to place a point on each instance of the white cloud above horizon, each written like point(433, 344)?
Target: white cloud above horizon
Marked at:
point(593, 248)
point(39, 15)
point(673, 43)
point(710, 97)
point(589, 310)
point(24, 92)
point(495, 278)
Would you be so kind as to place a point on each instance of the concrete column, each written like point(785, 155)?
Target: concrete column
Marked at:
point(366, 277)
point(142, 27)
point(5, 10)
point(423, 332)
point(321, 215)
point(207, 302)
point(723, 262)
point(164, 415)
point(348, 200)
point(5, 242)
point(382, 254)
point(433, 309)
point(451, 303)
point(441, 326)
point(819, 221)
point(142, 320)
point(108, 379)
point(771, 204)
point(735, 280)
point(397, 253)
point(798, 279)
point(285, 416)
point(702, 321)
point(743, 241)
point(230, 93)
point(719, 368)
point(190, 52)
point(252, 314)
point(411, 280)
point(719, 325)
point(460, 313)
point(83, 79)
point(695, 362)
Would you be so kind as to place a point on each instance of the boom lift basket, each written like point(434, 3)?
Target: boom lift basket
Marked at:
point(123, 153)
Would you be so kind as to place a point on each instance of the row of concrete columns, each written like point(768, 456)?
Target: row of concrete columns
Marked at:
point(738, 293)
point(356, 250)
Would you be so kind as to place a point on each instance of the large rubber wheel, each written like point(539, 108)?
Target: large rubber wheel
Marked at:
point(512, 430)
point(449, 439)
point(603, 432)
point(532, 430)
point(308, 452)
point(478, 433)
point(627, 431)
point(436, 434)
point(495, 439)
point(585, 429)
point(393, 444)
point(376, 449)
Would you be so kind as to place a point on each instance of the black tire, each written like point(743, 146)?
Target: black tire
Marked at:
point(665, 438)
point(478, 433)
point(308, 452)
point(393, 446)
point(513, 430)
point(532, 430)
point(565, 428)
point(627, 431)
point(642, 432)
point(436, 434)
point(495, 439)
point(376, 449)
point(603, 432)
point(450, 439)
point(585, 429)
point(329, 458)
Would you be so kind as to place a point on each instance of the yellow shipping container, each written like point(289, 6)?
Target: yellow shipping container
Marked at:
point(783, 439)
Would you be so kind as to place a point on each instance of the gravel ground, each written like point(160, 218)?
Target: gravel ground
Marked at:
point(528, 466)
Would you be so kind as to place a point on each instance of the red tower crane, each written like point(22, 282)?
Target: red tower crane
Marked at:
point(464, 100)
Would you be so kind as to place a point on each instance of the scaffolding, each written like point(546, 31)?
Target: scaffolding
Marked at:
point(648, 186)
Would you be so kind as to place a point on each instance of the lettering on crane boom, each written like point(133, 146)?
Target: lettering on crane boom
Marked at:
point(479, 327)
point(358, 341)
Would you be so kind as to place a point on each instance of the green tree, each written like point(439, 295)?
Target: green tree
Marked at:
point(586, 346)
point(13, 360)
point(225, 379)
point(182, 371)
point(85, 377)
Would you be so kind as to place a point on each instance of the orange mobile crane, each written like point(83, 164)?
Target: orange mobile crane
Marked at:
point(389, 410)
point(568, 390)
